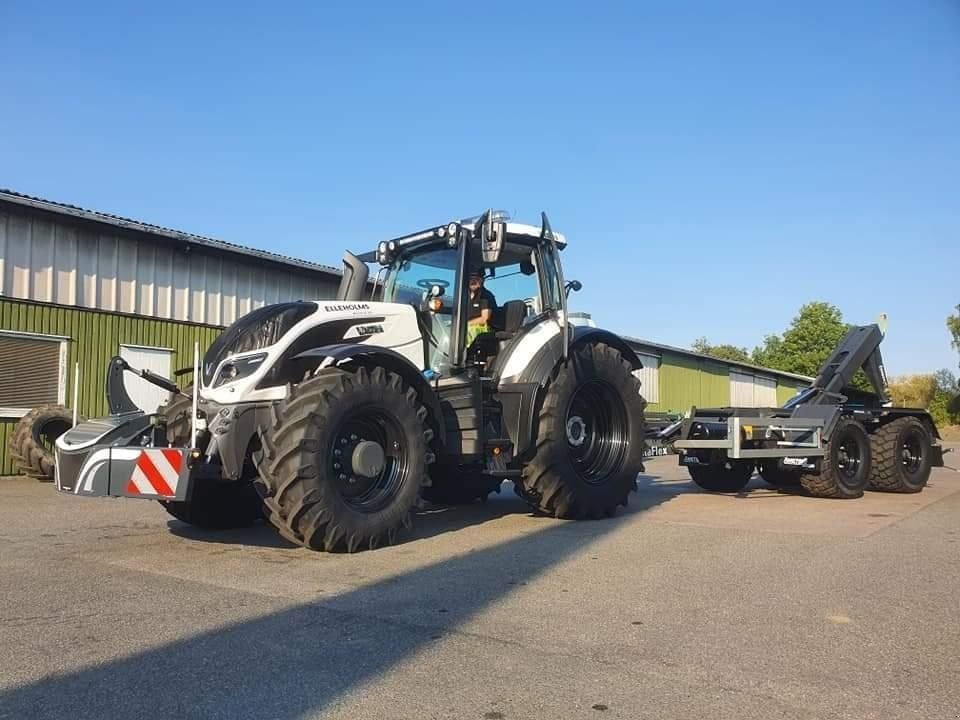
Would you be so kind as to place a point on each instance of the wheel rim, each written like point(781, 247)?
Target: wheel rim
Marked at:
point(849, 457)
point(911, 453)
point(596, 432)
point(371, 425)
point(46, 433)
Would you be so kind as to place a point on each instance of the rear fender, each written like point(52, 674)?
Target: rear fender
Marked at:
point(521, 393)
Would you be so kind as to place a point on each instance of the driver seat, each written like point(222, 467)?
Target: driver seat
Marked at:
point(505, 322)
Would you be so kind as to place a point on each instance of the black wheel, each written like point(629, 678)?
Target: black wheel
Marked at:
point(590, 437)
point(454, 485)
point(218, 506)
point(32, 442)
point(775, 474)
point(344, 459)
point(901, 456)
point(720, 478)
point(845, 466)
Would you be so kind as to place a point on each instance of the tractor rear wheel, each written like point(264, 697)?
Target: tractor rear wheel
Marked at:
point(32, 442)
point(901, 456)
point(344, 459)
point(456, 485)
point(720, 478)
point(845, 466)
point(590, 437)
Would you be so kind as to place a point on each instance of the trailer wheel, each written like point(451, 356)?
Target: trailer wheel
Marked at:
point(456, 485)
point(218, 506)
point(590, 437)
point(845, 466)
point(719, 478)
point(344, 459)
point(32, 442)
point(773, 474)
point(901, 456)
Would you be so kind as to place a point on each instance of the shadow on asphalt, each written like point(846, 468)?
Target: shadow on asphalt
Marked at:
point(305, 658)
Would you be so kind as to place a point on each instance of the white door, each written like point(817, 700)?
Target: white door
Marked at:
point(741, 389)
point(765, 392)
point(145, 396)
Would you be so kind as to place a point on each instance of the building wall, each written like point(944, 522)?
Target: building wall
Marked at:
point(95, 337)
point(96, 266)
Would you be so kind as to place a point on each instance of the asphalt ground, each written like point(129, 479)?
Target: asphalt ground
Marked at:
point(688, 605)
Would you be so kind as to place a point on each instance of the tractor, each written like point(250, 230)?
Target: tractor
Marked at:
point(453, 369)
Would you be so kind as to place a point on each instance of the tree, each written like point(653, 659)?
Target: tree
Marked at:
point(723, 352)
point(915, 391)
point(811, 337)
point(953, 325)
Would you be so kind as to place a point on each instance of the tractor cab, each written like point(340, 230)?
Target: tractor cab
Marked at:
point(476, 286)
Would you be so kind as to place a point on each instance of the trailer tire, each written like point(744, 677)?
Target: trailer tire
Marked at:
point(719, 478)
point(901, 456)
point(316, 497)
point(845, 466)
point(456, 485)
point(32, 442)
point(589, 439)
point(777, 476)
point(218, 506)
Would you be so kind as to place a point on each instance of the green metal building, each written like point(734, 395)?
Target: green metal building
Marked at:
point(79, 286)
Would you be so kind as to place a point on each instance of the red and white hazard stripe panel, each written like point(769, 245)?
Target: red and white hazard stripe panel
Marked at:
point(156, 473)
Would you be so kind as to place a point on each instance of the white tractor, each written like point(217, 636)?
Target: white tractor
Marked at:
point(454, 369)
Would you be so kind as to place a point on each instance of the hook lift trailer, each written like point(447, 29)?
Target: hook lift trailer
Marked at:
point(831, 439)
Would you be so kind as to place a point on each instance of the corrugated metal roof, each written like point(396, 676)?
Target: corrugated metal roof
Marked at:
point(60, 208)
point(734, 363)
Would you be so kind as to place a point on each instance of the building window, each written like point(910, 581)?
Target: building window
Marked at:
point(649, 377)
point(32, 372)
point(146, 396)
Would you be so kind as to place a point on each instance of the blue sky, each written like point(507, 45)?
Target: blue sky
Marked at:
point(713, 164)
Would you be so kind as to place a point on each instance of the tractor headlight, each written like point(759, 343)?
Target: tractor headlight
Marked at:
point(239, 368)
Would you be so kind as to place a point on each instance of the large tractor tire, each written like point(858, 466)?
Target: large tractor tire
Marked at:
point(845, 466)
point(777, 475)
point(32, 442)
point(344, 459)
point(212, 505)
point(901, 456)
point(589, 438)
point(720, 478)
point(455, 485)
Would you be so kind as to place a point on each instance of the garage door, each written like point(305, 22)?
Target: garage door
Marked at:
point(145, 396)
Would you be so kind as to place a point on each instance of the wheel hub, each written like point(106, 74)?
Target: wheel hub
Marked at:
point(576, 431)
point(368, 459)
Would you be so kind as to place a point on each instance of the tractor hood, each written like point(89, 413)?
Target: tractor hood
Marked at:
point(255, 358)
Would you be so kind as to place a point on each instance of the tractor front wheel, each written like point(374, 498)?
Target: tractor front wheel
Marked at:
point(344, 459)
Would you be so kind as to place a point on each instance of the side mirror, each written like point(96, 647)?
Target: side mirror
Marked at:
point(491, 238)
point(573, 285)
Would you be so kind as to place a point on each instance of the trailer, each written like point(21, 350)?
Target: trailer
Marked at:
point(830, 439)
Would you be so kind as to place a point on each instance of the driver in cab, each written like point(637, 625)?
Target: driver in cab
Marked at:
point(480, 307)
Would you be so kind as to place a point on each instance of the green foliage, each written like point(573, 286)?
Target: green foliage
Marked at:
point(953, 325)
point(931, 391)
point(812, 336)
point(723, 352)
point(945, 405)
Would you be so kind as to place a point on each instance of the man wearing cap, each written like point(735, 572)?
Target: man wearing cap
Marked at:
point(479, 307)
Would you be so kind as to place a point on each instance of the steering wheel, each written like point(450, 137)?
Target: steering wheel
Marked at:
point(427, 284)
